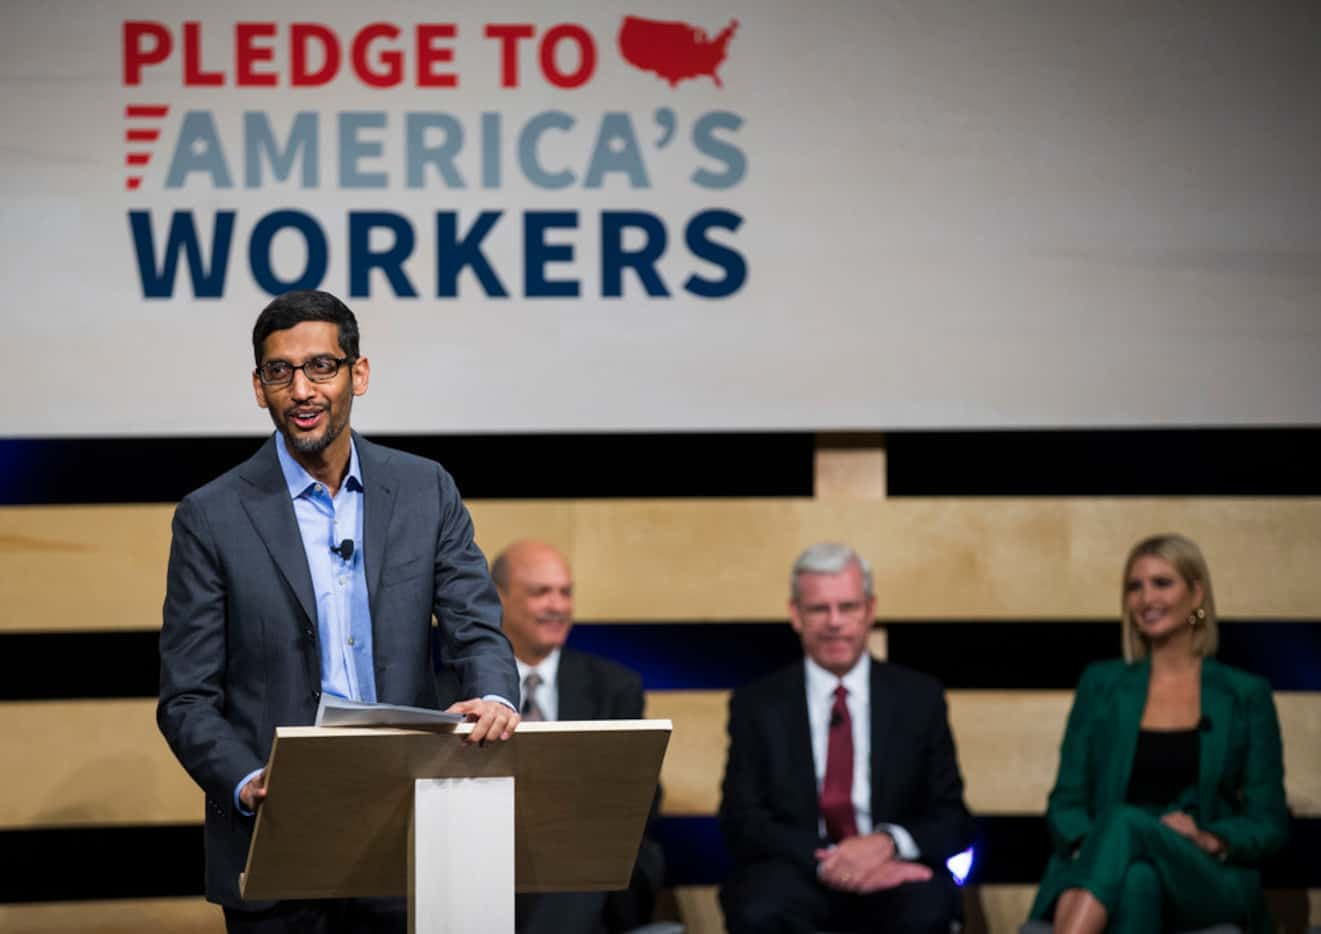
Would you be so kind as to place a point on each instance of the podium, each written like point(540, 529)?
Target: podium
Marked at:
point(354, 812)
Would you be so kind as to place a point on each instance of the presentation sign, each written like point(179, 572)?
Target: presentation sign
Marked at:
point(605, 216)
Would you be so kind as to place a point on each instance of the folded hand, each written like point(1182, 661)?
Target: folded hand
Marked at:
point(867, 864)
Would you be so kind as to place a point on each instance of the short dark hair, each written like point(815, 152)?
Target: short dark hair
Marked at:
point(309, 305)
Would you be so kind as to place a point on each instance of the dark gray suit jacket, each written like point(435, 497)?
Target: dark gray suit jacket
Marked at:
point(591, 688)
point(239, 643)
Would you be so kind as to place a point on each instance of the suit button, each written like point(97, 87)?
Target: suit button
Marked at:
point(316, 695)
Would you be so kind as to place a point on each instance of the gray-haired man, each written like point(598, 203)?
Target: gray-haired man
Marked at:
point(842, 794)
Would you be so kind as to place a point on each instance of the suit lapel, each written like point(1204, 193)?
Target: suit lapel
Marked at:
point(798, 738)
point(1130, 699)
point(379, 486)
point(271, 512)
point(1216, 708)
point(575, 702)
point(881, 710)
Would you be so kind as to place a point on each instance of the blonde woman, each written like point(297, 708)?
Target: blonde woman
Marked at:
point(1170, 790)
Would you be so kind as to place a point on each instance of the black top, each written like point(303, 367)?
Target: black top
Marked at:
point(1164, 765)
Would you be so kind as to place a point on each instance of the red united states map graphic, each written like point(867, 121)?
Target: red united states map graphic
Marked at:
point(673, 49)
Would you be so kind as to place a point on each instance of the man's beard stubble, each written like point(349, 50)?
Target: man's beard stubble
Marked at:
point(304, 444)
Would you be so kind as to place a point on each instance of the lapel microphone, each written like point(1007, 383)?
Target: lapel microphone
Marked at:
point(344, 549)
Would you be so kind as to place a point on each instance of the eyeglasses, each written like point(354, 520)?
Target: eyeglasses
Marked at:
point(821, 612)
point(319, 370)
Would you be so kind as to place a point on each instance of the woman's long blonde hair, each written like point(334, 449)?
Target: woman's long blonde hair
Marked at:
point(1187, 559)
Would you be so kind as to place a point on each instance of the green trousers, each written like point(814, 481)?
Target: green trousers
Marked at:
point(1151, 879)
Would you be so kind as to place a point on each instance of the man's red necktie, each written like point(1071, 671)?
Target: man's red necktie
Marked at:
point(837, 786)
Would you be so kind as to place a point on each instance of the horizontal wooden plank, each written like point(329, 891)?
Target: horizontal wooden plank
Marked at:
point(695, 761)
point(1008, 746)
point(104, 763)
point(987, 909)
point(126, 916)
point(699, 909)
point(1300, 730)
point(103, 567)
point(83, 567)
point(934, 559)
point(88, 763)
point(994, 909)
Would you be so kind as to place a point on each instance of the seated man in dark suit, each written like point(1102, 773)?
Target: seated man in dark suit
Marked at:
point(842, 795)
point(536, 593)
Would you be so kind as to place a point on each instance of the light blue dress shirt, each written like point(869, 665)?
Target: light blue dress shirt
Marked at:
point(344, 622)
point(344, 619)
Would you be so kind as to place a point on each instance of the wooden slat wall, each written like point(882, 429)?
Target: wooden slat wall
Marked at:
point(126, 916)
point(1008, 743)
point(102, 763)
point(103, 567)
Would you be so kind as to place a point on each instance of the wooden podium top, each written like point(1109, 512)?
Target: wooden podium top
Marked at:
point(336, 819)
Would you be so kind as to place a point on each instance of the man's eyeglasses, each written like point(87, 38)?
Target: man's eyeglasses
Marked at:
point(319, 370)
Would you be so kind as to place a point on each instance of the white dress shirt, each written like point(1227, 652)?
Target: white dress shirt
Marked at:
point(547, 694)
point(821, 686)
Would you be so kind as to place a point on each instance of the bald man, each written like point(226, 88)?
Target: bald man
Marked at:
point(535, 586)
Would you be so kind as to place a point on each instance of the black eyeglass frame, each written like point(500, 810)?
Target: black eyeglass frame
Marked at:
point(338, 361)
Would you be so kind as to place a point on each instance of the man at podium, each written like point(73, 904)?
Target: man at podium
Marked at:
point(315, 566)
point(536, 591)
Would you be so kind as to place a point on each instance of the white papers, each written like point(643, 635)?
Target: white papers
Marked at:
point(340, 711)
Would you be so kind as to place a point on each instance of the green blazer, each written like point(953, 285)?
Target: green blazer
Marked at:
point(1240, 786)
